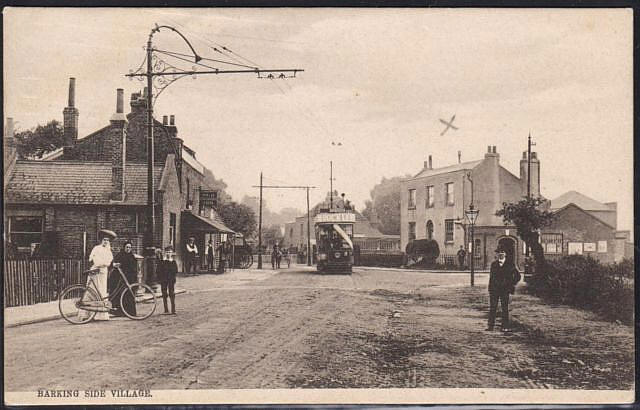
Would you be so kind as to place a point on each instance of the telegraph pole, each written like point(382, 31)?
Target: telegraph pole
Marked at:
point(308, 214)
point(260, 227)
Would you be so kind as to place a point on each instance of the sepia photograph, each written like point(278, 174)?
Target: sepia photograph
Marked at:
point(318, 206)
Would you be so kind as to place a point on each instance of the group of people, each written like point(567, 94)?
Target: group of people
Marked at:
point(191, 256)
point(101, 258)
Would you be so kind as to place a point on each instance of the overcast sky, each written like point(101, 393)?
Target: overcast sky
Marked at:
point(375, 80)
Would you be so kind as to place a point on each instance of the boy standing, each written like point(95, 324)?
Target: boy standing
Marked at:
point(167, 270)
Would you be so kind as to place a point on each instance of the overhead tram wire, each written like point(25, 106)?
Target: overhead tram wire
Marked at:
point(178, 55)
point(208, 40)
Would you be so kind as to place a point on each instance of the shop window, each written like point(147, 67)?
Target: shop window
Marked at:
point(412, 199)
point(448, 230)
point(25, 233)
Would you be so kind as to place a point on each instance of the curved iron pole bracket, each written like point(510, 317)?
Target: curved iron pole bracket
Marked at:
point(157, 28)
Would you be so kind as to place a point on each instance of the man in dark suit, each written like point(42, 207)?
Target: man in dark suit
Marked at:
point(502, 281)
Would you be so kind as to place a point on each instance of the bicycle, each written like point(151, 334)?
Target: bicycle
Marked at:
point(87, 298)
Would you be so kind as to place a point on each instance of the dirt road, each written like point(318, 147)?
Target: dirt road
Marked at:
point(295, 328)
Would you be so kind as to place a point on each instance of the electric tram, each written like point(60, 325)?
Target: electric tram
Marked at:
point(334, 240)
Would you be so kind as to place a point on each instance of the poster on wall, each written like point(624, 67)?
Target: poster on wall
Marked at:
point(602, 246)
point(575, 248)
point(589, 247)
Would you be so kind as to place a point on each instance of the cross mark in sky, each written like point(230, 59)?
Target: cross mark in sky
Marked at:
point(448, 124)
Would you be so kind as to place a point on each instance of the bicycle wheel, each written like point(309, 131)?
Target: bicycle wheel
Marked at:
point(71, 301)
point(138, 302)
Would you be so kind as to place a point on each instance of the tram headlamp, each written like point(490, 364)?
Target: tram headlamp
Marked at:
point(322, 256)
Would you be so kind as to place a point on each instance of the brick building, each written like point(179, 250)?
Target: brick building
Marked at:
point(60, 203)
point(584, 226)
point(434, 200)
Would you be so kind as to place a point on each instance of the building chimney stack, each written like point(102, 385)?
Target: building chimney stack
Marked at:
point(70, 116)
point(459, 157)
point(165, 120)
point(430, 163)
point(494, 150)
point(120, 101)
point(72, 92)
point(489, 149)
point(426, 165)
point(172, 120)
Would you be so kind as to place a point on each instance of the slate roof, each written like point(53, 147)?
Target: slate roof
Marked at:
point(76, 183)
point(580, 200)
point(363, 227)
point(450, 168)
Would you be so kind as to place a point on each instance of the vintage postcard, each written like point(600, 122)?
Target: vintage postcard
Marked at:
point(326, 206)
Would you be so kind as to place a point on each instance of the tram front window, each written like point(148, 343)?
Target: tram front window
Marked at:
point(329, 238)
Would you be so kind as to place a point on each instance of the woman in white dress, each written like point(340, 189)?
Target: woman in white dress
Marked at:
point(101, 258)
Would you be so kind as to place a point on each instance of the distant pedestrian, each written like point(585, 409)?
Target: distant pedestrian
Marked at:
point(462, 254)
point(167, 270)
point(210, 255)
point(191, 255)
point(276, 256)
point(502, 280)
point(222, 256)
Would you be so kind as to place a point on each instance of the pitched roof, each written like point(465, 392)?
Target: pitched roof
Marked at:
point(580, 200)
point(451, 168)
point(586, 213)
point(363, 227)
point(70, 182)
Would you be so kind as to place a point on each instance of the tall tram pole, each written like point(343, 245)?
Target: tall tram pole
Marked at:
point(308, 215)
point(529, 144)
point(260, 227)
point(331, 186)
point(174, 74)
point(308, 231)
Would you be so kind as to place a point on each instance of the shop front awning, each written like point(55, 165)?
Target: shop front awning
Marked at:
point(203, 224)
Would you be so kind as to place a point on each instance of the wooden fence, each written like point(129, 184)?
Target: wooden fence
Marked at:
point(27, 282)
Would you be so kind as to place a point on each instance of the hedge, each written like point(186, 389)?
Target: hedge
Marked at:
point(606, 289)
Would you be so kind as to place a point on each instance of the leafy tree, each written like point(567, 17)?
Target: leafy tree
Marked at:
point(384, 205)
point(216, 184)
point(272, 235)
point(529, 216)
point(238, 217)
point(37, 141)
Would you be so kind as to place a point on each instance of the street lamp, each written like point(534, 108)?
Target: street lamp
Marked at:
point(472, 215)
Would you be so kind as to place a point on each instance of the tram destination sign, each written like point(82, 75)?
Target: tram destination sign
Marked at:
point(338, 217)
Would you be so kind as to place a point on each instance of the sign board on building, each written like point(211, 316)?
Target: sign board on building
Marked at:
point(208, 199)
point(589, 247)
point(602, 246)
point(551, 248)
point(575, 248)
point(338, 217)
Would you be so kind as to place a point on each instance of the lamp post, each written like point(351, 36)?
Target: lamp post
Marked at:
point(472, 215)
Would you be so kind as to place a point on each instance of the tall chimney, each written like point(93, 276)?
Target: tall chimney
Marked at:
point(72, 92)
point(459, 157)
point(535, 174)
point(172, 120)
point(165, 120)
point(430, 163)
point(70, 116)
point(118, 147)
point(9, 144)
